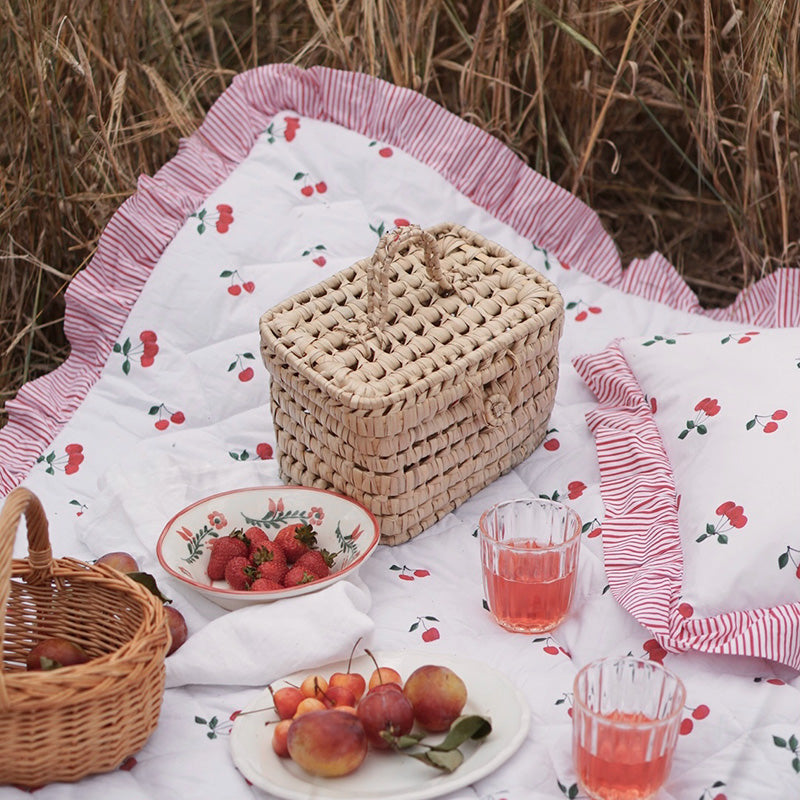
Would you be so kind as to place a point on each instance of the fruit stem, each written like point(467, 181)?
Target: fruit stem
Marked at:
point(257, 711)
point(375, 662)
point(352, 653)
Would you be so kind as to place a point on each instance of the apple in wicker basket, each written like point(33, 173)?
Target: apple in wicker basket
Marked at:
point(125, 562)
point(55, 652)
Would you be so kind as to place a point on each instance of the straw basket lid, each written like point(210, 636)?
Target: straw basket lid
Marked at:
point(73, 721)
point(428, 307)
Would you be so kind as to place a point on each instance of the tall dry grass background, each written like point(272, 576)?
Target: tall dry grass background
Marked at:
point(678, 121)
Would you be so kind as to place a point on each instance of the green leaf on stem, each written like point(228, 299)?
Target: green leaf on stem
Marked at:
point(469, 726)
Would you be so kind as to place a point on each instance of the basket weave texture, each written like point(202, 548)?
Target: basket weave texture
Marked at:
point(70, 722)
point(416, 377)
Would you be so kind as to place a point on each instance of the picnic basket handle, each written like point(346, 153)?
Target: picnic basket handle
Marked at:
point(378, 268)
point(40, 555)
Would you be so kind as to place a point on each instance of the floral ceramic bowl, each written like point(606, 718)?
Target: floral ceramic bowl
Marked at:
point(342, 525)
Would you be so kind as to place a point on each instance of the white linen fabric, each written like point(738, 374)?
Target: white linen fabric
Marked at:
point(167, 376)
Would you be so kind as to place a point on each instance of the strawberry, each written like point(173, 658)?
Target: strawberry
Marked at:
point(296, 539)
point(238, 573)
point(222, 551)
point(270, 551)
point(255, 538)
point(273, 570)
point(298, 575)
point(265, 585)
point(317, 561)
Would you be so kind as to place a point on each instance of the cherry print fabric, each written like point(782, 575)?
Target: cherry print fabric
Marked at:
point(697, 439)
point(292, 176)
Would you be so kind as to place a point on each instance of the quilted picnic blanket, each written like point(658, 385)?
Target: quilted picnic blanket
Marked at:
point(164, 399)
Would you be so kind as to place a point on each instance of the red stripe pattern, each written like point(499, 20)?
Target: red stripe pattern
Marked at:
point(641, 536)
point(478, 165)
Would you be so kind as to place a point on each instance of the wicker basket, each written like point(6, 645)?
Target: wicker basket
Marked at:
point(416, 377)
point(66, 723)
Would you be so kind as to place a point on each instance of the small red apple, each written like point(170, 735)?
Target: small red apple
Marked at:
point(353, 681)
point(286, 700)
point(280, 736)
point(177, 628)
point(119, 560)
point(55, 652)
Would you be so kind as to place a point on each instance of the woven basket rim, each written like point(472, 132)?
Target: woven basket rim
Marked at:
point(67, 567)
point(273, 347)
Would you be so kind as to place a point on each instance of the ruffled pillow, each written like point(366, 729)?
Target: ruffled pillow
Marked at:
point(698, 441)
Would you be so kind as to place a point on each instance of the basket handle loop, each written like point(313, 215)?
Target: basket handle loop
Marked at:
point(378, 268)
point(40, 557)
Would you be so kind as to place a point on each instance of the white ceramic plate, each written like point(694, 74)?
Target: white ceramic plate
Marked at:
point(343, 527)
point(388, 775)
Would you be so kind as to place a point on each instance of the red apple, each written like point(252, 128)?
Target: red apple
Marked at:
point(385, 708)
point(307, 705)
point(280, 737)
point(336, 696)
point(119, 560)
point(350, 680)
point(55, 652)
point(437, 695)
point(384, 675)
point(286, 700)
point(178, 631)
point(314, 686)
point(327, 743)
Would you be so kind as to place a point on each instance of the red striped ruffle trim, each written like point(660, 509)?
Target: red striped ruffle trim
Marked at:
point(641, 536)
point(478, 165)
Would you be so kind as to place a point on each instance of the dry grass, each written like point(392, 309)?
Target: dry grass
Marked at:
point(677, 120)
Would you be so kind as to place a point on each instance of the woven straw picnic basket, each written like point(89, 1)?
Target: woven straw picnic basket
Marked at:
point(416, 377)
point(69, 722)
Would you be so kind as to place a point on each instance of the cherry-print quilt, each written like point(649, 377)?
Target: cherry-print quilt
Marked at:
point(293, 176)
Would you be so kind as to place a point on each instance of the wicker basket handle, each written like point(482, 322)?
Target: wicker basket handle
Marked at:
point(40, 556)
point(378, 268)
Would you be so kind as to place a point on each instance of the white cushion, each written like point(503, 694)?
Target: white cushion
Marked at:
point(698, 441)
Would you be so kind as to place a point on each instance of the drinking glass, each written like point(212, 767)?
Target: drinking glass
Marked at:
point(529, 559)
point(626, 717)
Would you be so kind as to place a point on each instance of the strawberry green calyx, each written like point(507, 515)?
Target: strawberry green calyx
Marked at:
point(306, 535)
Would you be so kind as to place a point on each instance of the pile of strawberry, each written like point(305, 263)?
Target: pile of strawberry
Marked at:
point(250, 560)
